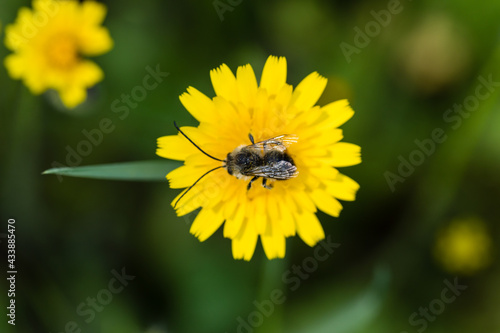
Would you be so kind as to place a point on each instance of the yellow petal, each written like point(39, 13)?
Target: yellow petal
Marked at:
point(273, 75)
point(72, 96)
point(308, 91)
point(200, 106)
point(261, 221)
point(247, 85)
point(233, 224)
point(35, 81)
point(345, 154)
point(233, 191)
point(95, 41)
point(215, 188)
point(230, 206)
point(191, 201)
point(339, 112)
point(185, 176)
point(324, 172)
point(309, 228)
point(342, 187)
point(235, 119)
point(207, 192)
point(317, 144)
point(243, 245)
point(87, 74)
point(309, 180)
point(175, 147)
point(52, 7)
point(303, 201)
point(326, 202)
point(92, 13)
point(73, 86)
point(206, 223)
point(205, 140)
point(273, 209)
point(286, 221)
point(259, 114)
point(224, 83)
point(15, 66)
point(273, 242)
point(19, 34)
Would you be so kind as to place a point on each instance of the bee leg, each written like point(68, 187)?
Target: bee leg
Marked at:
point(250, 136)
point(265, 185)
point(251, 181)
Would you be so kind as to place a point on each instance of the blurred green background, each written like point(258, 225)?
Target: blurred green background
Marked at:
point(401, 79)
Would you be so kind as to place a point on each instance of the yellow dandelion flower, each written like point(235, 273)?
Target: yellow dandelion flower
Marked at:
point(49, 43)
point(291, 166)
point(463, 247)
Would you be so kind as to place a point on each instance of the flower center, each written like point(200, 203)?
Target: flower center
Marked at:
point(62, 51)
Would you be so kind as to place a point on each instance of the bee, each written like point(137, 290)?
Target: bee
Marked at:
point(268, 159)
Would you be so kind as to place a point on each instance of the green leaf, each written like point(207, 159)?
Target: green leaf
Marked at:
point(154, 170)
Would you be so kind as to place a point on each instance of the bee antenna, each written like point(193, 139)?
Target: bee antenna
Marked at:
point(196, 182)
point(194, 144)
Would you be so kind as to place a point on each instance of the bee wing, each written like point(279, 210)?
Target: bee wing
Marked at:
point(281, 170)
point(281, 143)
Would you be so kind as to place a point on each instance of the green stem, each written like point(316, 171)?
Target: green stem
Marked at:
point(271, 283)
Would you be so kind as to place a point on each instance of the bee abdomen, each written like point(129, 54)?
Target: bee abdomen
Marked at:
point(276, 157)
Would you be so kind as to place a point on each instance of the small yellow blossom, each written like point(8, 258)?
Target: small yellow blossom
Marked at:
point(49, 43)
point(267, 110)
point(464, 247)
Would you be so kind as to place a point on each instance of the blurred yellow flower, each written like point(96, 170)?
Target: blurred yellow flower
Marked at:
point(49, 43)
point(464, 247)
point(272, 209)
